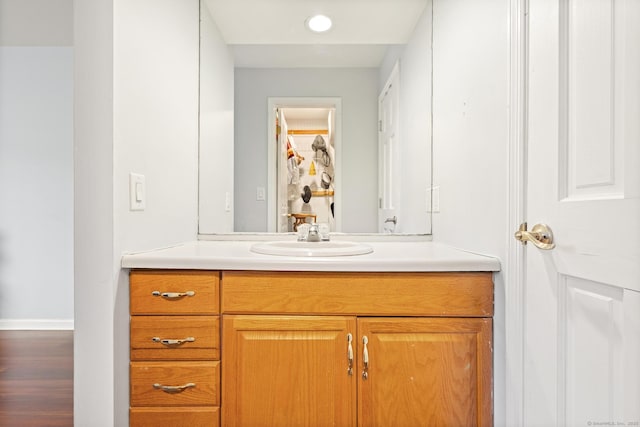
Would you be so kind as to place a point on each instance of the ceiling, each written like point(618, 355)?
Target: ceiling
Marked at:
point(272, 33)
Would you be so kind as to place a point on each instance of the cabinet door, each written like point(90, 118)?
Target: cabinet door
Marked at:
point(287, 371)
point(424, 372)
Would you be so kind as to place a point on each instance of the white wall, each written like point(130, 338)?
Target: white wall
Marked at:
point(358, 89)
point(36, 164)
point(216, 129)
point(94, 259)
point(136, 110)
point(471, 135)
point(156, 120)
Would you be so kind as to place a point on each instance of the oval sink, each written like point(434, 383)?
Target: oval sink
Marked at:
point(311, 249)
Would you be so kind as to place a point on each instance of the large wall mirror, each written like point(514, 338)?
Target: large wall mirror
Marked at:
point(298, 126)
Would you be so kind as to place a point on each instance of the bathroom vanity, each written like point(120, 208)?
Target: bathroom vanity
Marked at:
point(224, 336)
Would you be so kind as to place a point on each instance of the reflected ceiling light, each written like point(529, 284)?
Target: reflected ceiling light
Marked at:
point(319, 23)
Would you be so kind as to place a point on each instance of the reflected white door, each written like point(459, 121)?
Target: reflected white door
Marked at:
point(388, 153)
point(582, 299)
point(282, 132)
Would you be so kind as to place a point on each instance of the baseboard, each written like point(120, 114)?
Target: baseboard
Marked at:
point(36, 324)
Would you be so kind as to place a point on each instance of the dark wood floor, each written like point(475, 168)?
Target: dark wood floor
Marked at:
point(36, 378)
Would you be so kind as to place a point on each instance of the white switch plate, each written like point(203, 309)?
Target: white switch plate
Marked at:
point(137, 192)
point(260, 194)
point(433, 199)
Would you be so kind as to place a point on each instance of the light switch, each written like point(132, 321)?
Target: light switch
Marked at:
point(260, 194)
point(137, 192)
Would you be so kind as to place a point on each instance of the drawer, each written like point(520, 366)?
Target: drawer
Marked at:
point(175, 417)
point(194, 383)
point(192, 337)
point(376, 294)
point(174, 292)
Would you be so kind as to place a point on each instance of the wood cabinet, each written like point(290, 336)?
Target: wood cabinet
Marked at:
point(425, 372)
point(427, 362)
point(175, 348)
point(311, 349)
point(287, 371)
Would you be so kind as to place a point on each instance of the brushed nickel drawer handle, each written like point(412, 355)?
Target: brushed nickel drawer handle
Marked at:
point(171, 342)
point(173, 295)
point(173, 388)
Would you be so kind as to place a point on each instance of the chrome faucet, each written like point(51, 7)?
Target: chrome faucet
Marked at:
point(314, 233)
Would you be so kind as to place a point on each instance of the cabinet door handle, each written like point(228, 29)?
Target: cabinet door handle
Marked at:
point(350, 354)
point(173, 295)
point(172, 342)
point(365, 358)
point(173, 388)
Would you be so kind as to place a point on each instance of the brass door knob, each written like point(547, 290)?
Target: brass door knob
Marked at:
point(540, 235)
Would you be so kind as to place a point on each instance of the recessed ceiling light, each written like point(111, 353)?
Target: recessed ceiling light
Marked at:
point(319, 23)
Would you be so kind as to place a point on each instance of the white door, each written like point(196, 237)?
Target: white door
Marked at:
point(388, 154)
point(282, 133)
point(582, 298)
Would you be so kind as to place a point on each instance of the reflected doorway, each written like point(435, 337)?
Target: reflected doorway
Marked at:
point(304, 179)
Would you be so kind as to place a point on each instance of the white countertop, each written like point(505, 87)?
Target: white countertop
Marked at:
point(386, 256)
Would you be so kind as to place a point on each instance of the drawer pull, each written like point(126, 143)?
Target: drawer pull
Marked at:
point(349, 354)
point(173, 388)
point(365, 358)
point(173, 295)
point(171, 342)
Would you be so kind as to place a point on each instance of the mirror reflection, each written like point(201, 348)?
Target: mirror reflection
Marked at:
point(270, 87)
point(305, 163)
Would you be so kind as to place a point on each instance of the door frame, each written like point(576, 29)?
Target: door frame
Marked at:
point(272, 154)
point(515, 262)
